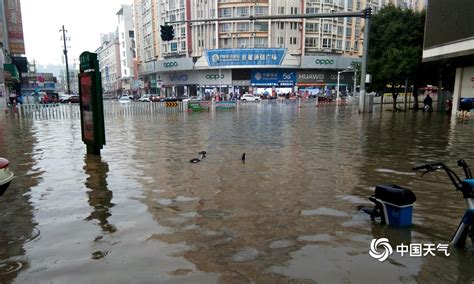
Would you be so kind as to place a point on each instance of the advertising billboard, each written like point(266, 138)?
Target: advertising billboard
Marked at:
point(273, 77)
point(14, 23)
point(253, 56)
point(448, 21)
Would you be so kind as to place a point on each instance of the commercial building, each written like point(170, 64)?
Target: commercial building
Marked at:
point(12, 45)
point(285, 55)
point(109, 64)
point(126, 38)
point(449, 41)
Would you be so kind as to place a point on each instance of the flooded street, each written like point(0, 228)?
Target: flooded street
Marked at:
point(142, 213)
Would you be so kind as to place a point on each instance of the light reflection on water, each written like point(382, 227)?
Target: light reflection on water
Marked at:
point(143, 213)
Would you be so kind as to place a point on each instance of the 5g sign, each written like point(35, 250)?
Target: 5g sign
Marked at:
point(287, 76)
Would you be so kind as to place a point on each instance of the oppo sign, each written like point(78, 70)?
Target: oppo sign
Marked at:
point(214, 76)
point(324, 61)
point(170, 64)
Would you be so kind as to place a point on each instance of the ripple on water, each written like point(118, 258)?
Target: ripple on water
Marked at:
point(323, 211)
point(246, 254)
point(10, 266)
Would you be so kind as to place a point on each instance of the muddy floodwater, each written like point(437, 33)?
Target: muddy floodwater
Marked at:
point(142, 213)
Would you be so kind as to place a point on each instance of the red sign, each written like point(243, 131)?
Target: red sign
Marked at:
point(85, 81)
point(14, 22)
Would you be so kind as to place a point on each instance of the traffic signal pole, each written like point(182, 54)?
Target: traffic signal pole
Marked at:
point(366, 14)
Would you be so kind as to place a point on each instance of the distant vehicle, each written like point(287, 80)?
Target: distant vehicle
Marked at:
point(64, 98)
point(193, 98)
point(124, 99)
point(48, 98)
point(156, 98)
point(74, 99)
point(144, 98)
point(249, 98)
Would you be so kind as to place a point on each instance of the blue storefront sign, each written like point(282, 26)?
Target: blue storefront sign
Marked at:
point(273, 77)
point(254, 56)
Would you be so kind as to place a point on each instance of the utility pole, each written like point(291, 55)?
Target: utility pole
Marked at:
point(65, 58)
point(366, 15)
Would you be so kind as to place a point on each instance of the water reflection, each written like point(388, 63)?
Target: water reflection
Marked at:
point(100, 196)
point(17, 225)
point(145, 214)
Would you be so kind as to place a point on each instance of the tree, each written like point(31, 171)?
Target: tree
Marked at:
point(395, 48)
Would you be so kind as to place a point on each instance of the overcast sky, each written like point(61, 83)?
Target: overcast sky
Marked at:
point(84, 20)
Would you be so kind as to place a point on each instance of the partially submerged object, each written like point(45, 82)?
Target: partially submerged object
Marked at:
point(6, 176)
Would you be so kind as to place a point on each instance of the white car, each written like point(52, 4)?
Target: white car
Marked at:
point(124, 99)
point(249, 98)
point(144, 98)
point(187, 99)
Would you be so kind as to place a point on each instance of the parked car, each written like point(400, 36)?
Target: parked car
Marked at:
point(156, 98)
point(124, 99)
point(64, 98)
point(249, 98)
point(48, 98)
point(74, 99)
point(144, 98)
point(193, 98)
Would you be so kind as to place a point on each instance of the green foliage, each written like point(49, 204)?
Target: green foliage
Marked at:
point(395, 47)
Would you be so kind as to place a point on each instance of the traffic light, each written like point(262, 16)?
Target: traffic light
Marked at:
point(167, 33)
point(367, 13)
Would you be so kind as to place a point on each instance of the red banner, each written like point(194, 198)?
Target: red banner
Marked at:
point(14, 22)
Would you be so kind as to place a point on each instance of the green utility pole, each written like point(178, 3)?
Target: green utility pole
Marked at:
point(91, 104)
point(366, 14)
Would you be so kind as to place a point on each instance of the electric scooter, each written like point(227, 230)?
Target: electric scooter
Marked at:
point(466, 186)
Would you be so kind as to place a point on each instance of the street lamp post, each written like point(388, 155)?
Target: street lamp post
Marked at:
point(338, 78)
point(355, 82)
point(348, 69)
point(220, 82)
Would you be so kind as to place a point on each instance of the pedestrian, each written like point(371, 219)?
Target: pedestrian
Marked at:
point(428, 102)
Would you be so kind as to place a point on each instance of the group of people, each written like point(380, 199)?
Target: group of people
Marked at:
point(221, 97)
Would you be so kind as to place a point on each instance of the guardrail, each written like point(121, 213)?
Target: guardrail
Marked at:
point(115, 108)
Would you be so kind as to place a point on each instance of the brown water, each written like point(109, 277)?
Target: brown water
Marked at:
point(143, 214)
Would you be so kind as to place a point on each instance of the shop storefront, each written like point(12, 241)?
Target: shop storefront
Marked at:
point(316, 82)
point(197, 83)
point(175, 77)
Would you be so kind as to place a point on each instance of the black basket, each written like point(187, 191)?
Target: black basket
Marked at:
point(394, 194)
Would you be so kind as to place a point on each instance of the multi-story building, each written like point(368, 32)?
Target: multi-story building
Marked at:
point(145, 14)
point(264, 56)
point(12, 45)
point(109, 64)
point(126, 38)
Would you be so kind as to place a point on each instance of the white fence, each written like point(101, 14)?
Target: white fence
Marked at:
point(111, 108)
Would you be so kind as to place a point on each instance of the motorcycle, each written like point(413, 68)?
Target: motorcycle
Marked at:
point(6, 176)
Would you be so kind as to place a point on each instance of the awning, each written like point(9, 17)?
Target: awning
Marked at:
point(14, 74)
